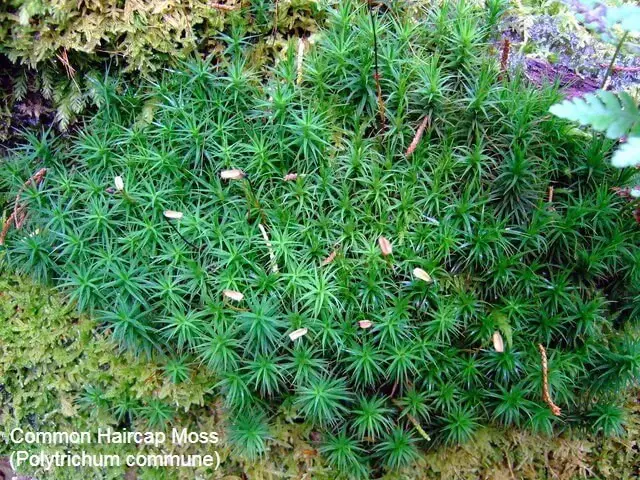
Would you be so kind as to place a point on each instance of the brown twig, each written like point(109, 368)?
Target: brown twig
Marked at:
point(550, 199)
point(545, 382)
point(419, 428)
point(504, 59)
point(416, 139)
point(415, 423)
point(19, 214)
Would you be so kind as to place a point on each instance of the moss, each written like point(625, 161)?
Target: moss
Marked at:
point(50, 51)
point(50, 355)
point(144, 36)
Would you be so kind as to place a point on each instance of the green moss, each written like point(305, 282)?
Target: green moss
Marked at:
point(469, 204)
point(53, 363)
point(50, 355)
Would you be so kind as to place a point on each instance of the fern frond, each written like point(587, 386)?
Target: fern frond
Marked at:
point(615, 115)
point(628, 155)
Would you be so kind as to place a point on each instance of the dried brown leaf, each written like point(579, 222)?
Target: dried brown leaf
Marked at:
point(173, 215)
point(422, 275)
point(233, 295)
point(232, 174)
point(498, 343)
point(385, 246)
point(301, 332)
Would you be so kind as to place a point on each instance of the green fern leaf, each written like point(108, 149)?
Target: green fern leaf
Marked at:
point(47, 84)
point(76, 100)
point(64, 114)
point(604, 111)
point(20, 87)
point(628, 155)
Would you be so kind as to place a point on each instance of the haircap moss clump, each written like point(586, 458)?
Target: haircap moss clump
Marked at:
point(386, 298)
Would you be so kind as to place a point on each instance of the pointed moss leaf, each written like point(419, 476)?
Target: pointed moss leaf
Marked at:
point(628, 155)
point(615, 115)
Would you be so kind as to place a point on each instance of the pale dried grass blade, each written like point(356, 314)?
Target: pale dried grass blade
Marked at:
point(224, 7)
point(422, 275)
point(173, 215)
point(301, 332)
point(232, 174)
point(498, 343)
point(233, 295)
point(272, 254)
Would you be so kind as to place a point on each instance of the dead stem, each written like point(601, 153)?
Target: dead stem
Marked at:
point(376, 75)
point(416, 139)
point(19, 214)
point(504, 59)
point(545, 382)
